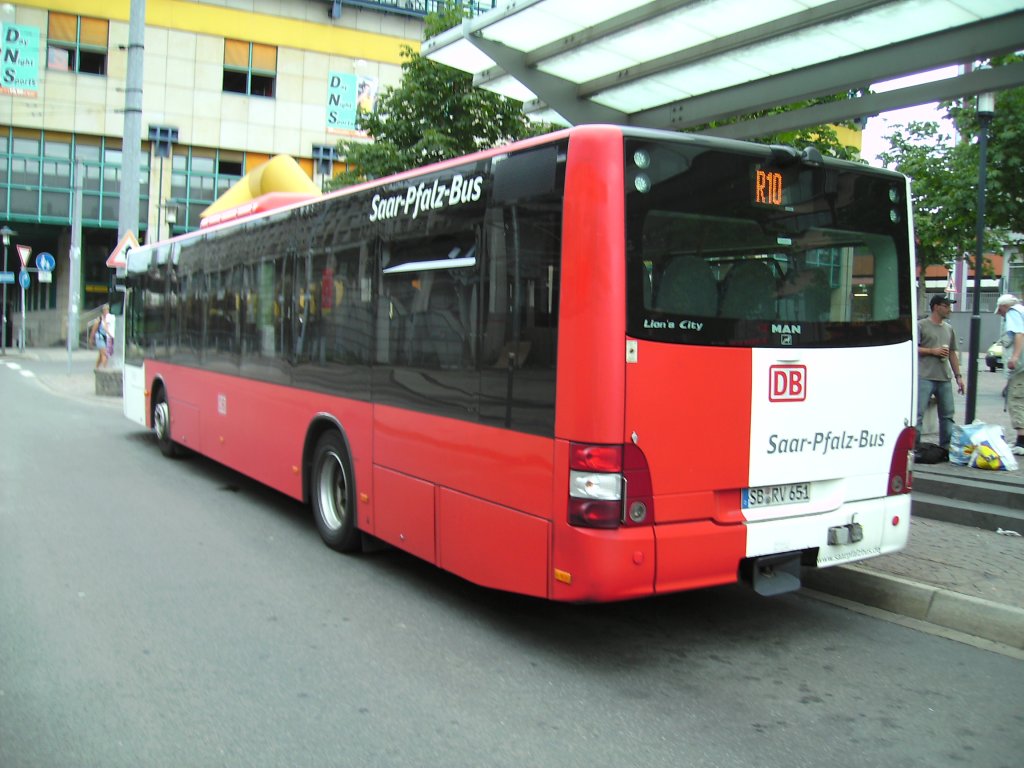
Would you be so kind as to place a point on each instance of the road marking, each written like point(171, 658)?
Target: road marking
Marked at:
point(23, 371)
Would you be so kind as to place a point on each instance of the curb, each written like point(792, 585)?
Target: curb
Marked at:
point(985, 516)
point(971, 615)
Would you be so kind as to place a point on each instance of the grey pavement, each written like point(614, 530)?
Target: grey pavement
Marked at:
point(68, 374)
point(957, 571)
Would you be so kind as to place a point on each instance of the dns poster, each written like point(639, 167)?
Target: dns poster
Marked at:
point(19, 73)
point(348, 96)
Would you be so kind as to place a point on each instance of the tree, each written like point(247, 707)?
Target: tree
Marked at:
point(1004, 199)
point(435, 114)
point(824, 138)
point(944, 178)
point(944, 183)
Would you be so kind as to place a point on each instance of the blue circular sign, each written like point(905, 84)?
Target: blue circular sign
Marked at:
point(24, 279)
point(45, 262)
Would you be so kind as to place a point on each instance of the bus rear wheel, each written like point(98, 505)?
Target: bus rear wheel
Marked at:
point(333, 493)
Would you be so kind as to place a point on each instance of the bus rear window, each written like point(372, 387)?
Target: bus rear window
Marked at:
point(721, 252)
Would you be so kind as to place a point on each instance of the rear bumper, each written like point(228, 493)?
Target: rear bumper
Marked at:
point(884, 522)
point(597, 565)
point(704, 553)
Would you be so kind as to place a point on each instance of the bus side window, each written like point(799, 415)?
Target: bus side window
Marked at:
point(222, 315)
point(397, 297)
point(520, 316)
point(428, 296)
point(444, 329)
point(192, 316)
point(345, 312)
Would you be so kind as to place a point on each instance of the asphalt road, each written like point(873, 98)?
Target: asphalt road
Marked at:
point(173, 613)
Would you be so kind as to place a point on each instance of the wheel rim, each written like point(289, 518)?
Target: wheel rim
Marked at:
point(161, 420)
point(332, 490)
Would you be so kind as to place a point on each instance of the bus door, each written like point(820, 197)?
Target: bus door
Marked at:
point(133, 382)
point(148, 307)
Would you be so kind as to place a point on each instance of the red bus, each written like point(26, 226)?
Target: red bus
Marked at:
point(595, 365)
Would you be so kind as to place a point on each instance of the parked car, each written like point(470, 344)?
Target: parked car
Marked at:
point(994, 356)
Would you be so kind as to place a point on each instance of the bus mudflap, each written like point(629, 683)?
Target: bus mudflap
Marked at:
point(772, 574)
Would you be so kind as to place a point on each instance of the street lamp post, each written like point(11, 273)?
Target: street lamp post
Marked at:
point(986, 109)
point(7, 232)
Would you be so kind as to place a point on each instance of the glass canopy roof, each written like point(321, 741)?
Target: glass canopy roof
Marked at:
point(681, 63)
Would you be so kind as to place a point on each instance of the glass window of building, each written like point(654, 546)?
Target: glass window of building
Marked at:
point(249, 68)
point(77, 44)
point(199, 176)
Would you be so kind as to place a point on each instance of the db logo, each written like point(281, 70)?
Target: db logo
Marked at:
point(787, 382)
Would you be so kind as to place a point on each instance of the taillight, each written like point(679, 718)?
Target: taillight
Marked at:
point(901, 470)
point(609, 486)
point(599, 458)
point(595, 485)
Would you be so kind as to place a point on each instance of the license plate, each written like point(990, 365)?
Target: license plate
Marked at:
point(773, 495)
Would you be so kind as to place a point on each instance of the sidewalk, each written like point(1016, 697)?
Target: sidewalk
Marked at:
point(69, 375)
point(962, 578)
point(969, 579)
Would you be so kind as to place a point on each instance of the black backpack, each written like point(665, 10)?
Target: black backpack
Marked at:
point(930, 453)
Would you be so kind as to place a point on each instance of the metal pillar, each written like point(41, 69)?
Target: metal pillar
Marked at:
point(75, 259)
point(7, 233)
point(131, 153)
point(986, 108)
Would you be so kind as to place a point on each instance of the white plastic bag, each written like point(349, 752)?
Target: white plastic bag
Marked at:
point(961, 442)
point(989, 450)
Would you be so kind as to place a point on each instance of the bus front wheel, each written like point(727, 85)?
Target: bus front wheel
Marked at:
point(162, 426)
point(333, 494)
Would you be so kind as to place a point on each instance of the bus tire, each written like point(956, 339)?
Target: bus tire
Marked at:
point(162, 426)
point(332, 491)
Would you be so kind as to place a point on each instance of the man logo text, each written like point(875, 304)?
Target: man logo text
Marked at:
point(787, 382)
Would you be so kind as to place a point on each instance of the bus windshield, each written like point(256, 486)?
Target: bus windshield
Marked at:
point(730, 249)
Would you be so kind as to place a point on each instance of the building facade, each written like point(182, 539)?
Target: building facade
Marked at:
point(227, 84)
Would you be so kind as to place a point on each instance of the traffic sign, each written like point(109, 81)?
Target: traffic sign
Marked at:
point(7, 277)
point(24, 279)
point(45, 277)
point(24, 251)
point(118, 258)
point(45, 262)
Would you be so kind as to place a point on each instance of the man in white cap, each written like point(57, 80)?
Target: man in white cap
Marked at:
point(1010, 309)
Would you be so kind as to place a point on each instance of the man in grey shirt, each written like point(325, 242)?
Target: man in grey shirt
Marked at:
point(938, 365)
